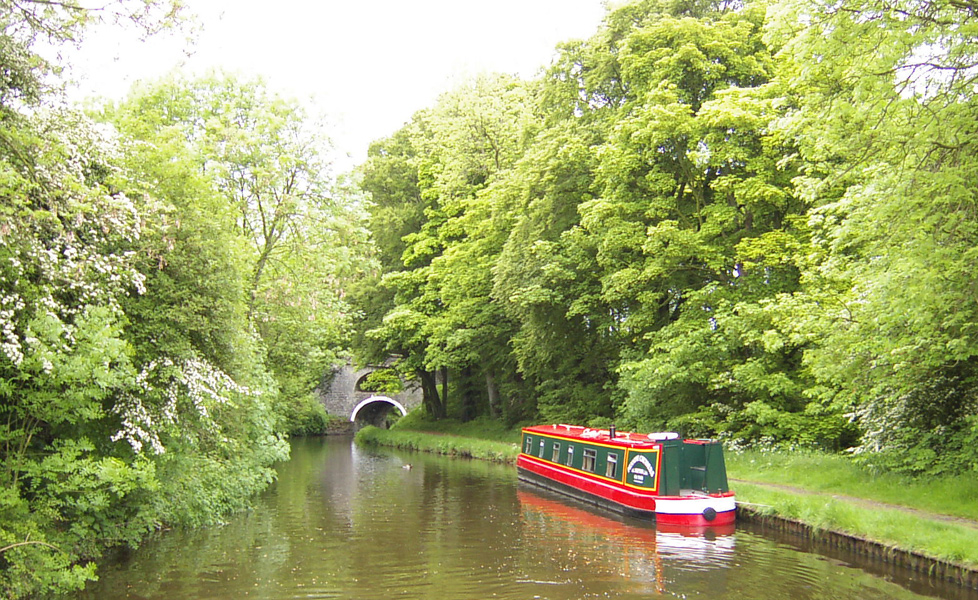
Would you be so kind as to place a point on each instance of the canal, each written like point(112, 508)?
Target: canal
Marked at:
point(352, 523)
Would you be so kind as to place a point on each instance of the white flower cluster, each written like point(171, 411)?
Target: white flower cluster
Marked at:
point(137, 426)
point(71, 250)
point(75, 142)
point(206, 384)
point(193, 384)
point(10, 343)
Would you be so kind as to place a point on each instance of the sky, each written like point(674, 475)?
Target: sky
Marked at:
point(366, 65)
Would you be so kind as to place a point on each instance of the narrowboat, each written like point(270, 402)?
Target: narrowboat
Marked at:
point(654, 476)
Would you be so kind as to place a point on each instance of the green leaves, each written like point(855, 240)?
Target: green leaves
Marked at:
point(630, 210)
point(262, 235)
point(885, 99)
point(694, 58)
point(431, 183)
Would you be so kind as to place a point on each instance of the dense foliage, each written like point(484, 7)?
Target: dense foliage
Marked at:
point(747, 220)
point(170, 279)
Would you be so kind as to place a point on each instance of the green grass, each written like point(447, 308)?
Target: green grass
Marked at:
point(438, 443)
point(833, 474)
point(482, 428)
point(936, 539)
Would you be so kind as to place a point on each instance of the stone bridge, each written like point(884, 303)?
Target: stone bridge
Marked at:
point(345, 394)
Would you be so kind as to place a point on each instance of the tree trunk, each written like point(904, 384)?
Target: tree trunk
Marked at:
point(444, 389)
point(432, 402)
point(468, 395)
point(492, 390)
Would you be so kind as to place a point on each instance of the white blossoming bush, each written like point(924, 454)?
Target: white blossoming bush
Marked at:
point(193, 384)
point(70, 250)
point(101, 440)
point(67, 257)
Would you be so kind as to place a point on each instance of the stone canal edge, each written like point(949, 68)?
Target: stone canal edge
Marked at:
point(962, 574)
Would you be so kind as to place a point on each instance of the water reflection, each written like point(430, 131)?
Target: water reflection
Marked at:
point(344, 522)
point(638, 552)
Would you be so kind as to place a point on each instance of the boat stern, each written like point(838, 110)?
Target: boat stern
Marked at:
point(696, 510)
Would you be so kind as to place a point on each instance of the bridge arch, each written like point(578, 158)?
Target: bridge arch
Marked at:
point(374, 410)
point(376, 399)
point(345, 395)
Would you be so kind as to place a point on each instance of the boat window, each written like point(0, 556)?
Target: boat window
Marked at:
point(589, 455)
point(541, 447)
point(570, 456)
point(556, 454)
point(612, 469)
point(529, 445)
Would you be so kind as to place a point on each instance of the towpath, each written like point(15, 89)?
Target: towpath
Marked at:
point(923, 514)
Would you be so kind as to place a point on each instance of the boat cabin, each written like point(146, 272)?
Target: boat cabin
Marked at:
point(660, 463)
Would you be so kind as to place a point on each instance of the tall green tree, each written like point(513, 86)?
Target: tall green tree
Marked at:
point(886, 129)
point(272, 195)
point(442, 316)
point(689, 180)
point(547, 283)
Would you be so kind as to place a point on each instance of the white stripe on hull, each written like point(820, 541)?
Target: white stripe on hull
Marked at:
point(693, 505)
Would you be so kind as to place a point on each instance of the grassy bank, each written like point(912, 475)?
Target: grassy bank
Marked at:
point(439, 443)
point(943, 540)
point(824, 476)
point(482, 428)
point(830, 474)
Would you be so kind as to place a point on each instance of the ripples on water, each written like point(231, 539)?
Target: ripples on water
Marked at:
point(343, 522)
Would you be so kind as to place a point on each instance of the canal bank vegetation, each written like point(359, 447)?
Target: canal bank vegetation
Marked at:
point(439, 443)
point(827, 475)
point(932, 516)
point(925, 536)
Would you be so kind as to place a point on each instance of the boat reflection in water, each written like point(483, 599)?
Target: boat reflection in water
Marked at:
point(637, 550)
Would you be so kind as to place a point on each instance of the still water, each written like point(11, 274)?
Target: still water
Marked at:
point(352, 523)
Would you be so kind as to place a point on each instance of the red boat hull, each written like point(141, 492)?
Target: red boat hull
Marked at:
point(693, 511)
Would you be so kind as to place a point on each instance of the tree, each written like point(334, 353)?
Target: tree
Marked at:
point(427, 182)
point(68, 242)
point(132, 387)
point(297, 231)
point(547, 282)
point(885, 127)
point(690, 179)
point(61, 22)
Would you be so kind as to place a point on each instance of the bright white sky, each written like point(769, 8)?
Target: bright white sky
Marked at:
point(367, 65)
